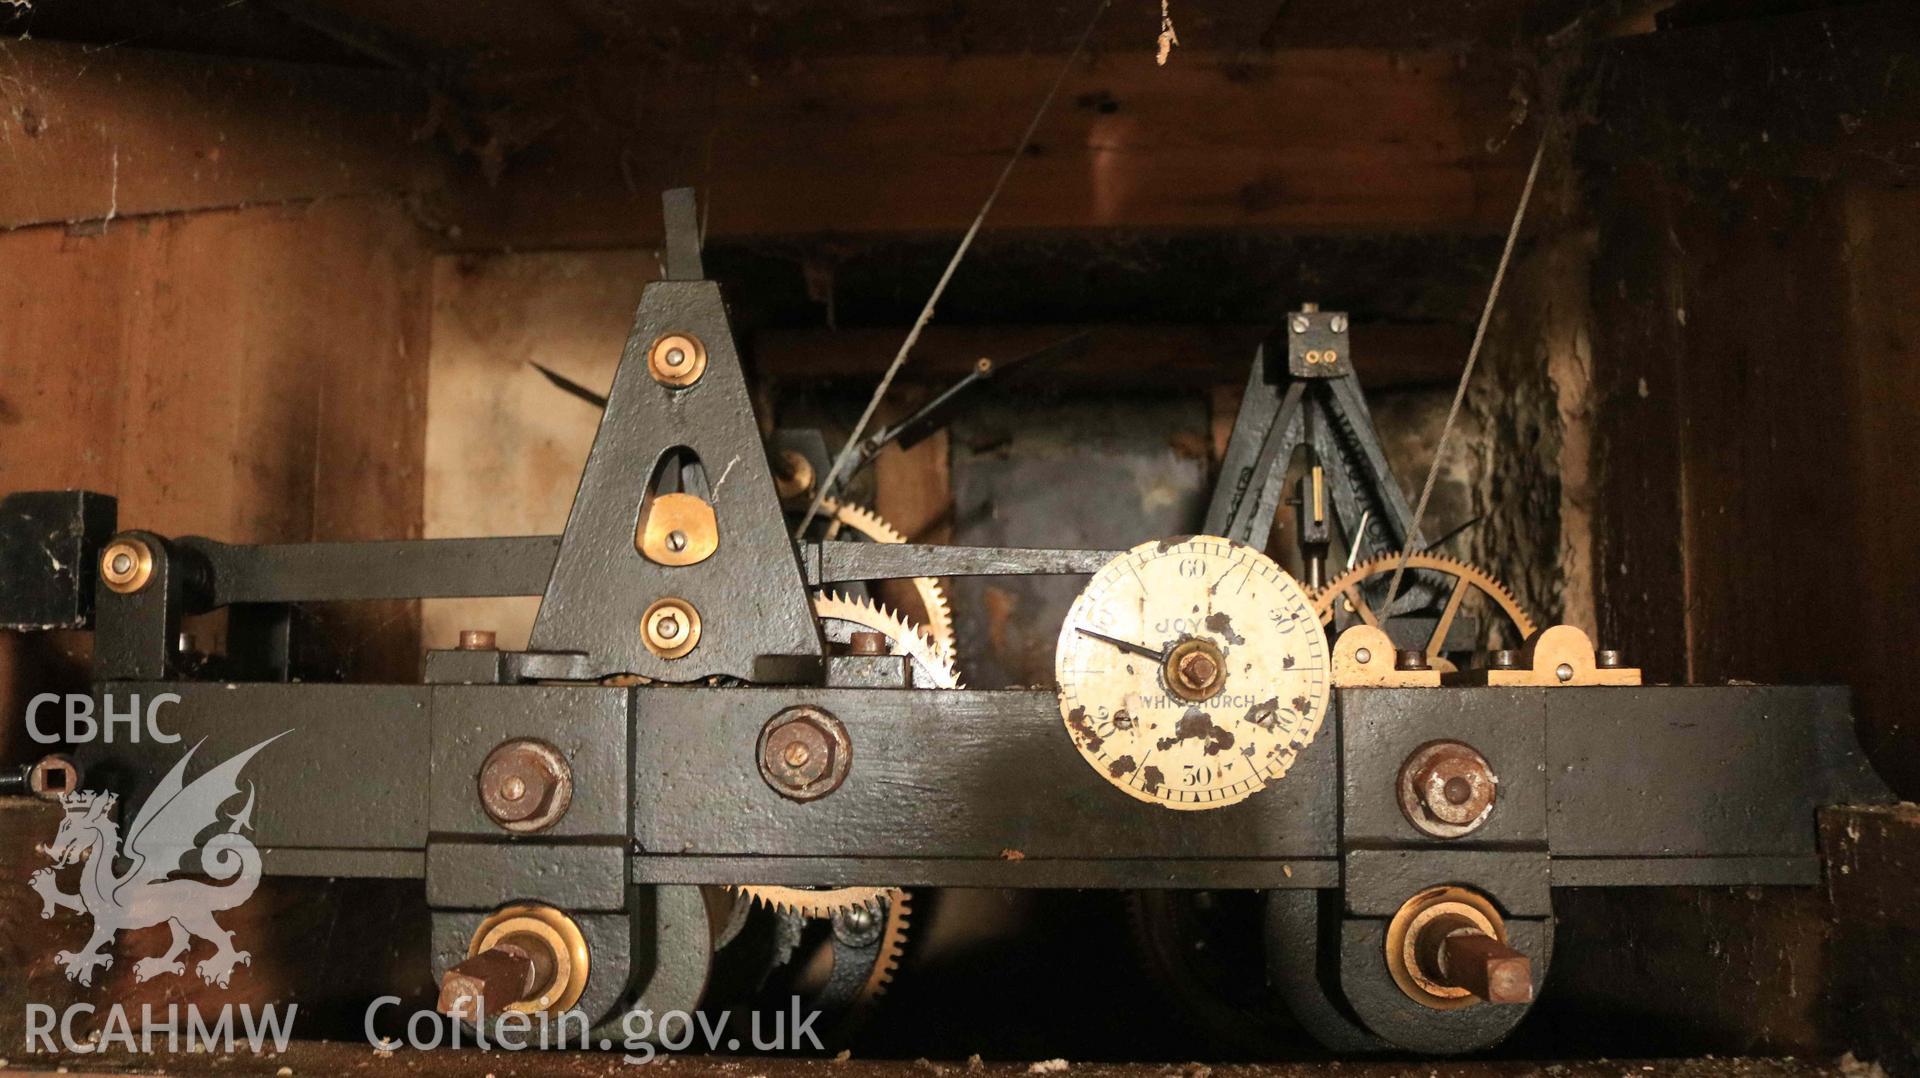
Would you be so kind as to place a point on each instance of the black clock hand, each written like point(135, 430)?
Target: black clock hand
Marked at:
point(1156, 654)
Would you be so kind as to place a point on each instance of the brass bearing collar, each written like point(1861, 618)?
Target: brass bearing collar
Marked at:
point(677, 360)
point(126, 564)
point(554, 932)
point(1195, 684)
point(670, 628)
point(1403, 939)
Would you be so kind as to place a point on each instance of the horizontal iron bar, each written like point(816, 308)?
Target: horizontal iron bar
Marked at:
point(520, 565)
point(1215, 873)
point(1643, 786)
point(388, 864)
point(829, 562)
point(389, 569)
point(1684, 871)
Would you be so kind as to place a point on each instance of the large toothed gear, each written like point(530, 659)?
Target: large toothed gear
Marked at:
point(817, 901)
point(893, 944)
point(1344, 593)
point(867, 523)
point(841, 617)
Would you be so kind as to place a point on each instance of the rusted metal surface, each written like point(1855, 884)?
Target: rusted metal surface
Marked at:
point(1484, 966)
point(1447, 789)
point(487, 983)
point(525, 785)
point(805, 753)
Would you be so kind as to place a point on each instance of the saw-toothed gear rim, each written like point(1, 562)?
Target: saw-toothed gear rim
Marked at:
point(817, 902)
point(907, 639)
point(872, 525)
point(829, 901)
point(825, 902)
point(1470, 578)
point(893, 944)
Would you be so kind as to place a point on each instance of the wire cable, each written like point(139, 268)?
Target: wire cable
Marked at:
point(1460, 391)
point(825, 489)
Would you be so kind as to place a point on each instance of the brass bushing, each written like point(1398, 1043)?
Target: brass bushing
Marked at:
point(670, 627)
point(525, 785)
point(792, 474)
point(1196, 670)
point(1416, 932)
point(126, 565)
point(53, 777)
point(478, 640)
point(1447, 789)
point(555, 944)
point(804, 753)
point(677, 359)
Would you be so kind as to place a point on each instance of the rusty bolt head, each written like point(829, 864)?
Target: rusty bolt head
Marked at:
point(1503, 659)
point(1197, 669)
point(804, 753)
point(1410, 659)
point(53, 776)
point(865, 643)
point(1484, 966)
point(525, 785)
point(1447, 789)
point(1608, 659)
point(487, 984)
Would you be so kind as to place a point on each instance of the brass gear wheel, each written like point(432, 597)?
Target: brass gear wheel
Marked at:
point(893, 944)
point(932, 666)
point(1346, 588)
point(817, 902)
point(827, 902)
point(874, 528)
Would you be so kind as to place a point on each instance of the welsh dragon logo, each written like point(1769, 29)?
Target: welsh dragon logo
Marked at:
point(157, 847)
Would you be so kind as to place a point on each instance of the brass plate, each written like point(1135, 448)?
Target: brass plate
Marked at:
point(1557, 656)
point(1363, 657)
point(677, 529)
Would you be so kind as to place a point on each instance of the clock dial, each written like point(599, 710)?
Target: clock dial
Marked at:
point(1192, 672)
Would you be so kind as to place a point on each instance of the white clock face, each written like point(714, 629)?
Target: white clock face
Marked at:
point(1192, 673)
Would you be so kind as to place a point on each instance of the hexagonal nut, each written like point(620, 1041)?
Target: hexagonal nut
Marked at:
point(804, 753)
point(1447, 789)
point(525, 785)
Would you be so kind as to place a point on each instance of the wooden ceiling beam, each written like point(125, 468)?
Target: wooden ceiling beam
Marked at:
point(1159, 357)
point(1309, 140)
point(96, 134)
